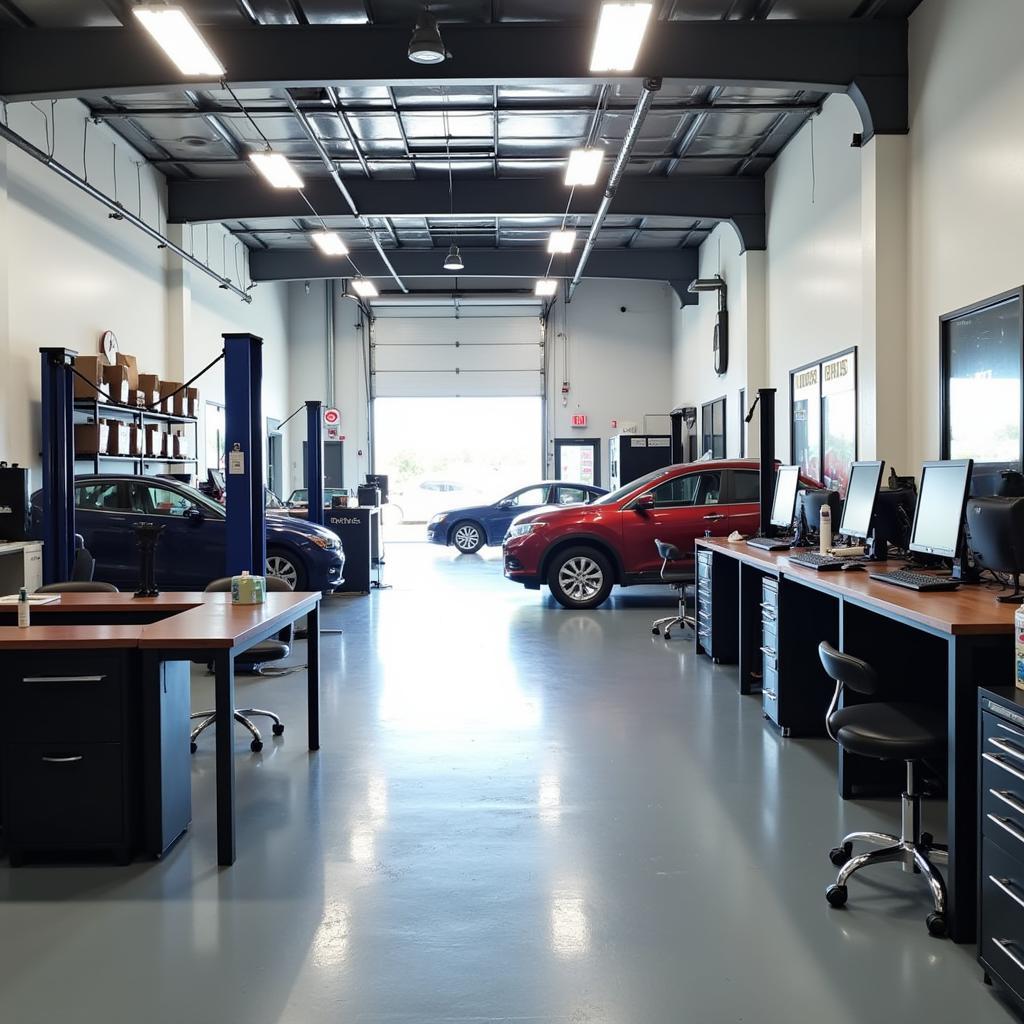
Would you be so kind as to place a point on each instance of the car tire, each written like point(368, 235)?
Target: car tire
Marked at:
point(580, 577)
point(284, 565)
point(467, 537)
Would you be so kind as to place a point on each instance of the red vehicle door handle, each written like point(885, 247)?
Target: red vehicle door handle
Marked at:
point(713, 517)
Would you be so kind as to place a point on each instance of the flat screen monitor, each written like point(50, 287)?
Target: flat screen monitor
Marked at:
point(861, 494)
point(784, 502)
point(216, 478)
point(939, 517)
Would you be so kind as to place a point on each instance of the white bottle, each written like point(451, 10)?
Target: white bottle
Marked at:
point(825, 530)
point(23, 607)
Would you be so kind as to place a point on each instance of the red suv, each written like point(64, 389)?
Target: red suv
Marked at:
point(581, 551)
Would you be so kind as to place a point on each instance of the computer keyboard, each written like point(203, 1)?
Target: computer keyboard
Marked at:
point(770, 543)
point(915, 580)
point(813, 560)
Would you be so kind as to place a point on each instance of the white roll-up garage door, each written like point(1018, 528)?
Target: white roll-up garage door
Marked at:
point(486, 351)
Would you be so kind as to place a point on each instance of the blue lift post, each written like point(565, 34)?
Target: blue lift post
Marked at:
point(246, 526)
point(58, 483)
point(315, 462)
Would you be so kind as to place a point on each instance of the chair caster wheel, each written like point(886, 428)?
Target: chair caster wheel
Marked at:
point(839, 855)
point(656, 631)
point(936, 923)
point(927, 839)
point(987, 978)
point(192, 748)
point(836, 895)
point(278, 728)
point(256, 746)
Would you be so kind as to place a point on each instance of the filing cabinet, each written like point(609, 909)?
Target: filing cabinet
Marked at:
point(717, 584)
point(770, 649)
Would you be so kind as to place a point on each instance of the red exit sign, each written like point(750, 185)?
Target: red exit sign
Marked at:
point(579, 419)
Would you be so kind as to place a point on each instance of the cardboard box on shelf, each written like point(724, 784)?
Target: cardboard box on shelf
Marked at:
point(172, 400)
point(149, 383)
point(90, 367)
point(116, 379)
point(180, 445)
point(119, 438)
point(90, 438)
point(136, 442)
point(192, 402)
point(130, 363)
point(156, 441)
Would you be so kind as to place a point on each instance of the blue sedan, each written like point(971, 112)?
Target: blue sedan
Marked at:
point(469, 529)
point(191, 550)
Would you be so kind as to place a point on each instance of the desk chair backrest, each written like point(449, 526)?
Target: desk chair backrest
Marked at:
point(222, 585)
point(846, 670)
point(78, 587)
point(83, 567)
point(668, 553)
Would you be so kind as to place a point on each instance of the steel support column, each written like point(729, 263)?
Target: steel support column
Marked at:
point(315, 462)
point(58, 464)
point(246, 528)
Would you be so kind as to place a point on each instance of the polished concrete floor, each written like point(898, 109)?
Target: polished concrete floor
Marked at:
point(519, 814)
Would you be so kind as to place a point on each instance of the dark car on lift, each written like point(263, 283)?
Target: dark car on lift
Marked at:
point(469, 529)
point(191, 550)
point(582, 552)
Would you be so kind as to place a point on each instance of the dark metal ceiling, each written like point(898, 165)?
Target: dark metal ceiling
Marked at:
point(416, 132)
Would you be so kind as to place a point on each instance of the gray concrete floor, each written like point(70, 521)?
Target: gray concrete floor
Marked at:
point(519, 814)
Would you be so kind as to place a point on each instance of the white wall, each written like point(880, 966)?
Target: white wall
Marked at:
point(68, 272)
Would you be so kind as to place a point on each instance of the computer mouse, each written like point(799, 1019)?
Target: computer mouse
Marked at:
point(852, 565)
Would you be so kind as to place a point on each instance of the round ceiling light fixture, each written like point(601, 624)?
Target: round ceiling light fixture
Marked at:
point(426, 45)
point(453, 261)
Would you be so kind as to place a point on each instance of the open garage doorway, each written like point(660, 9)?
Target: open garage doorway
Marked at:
point(443, 453)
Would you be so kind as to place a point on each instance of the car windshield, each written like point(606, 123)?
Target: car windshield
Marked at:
point(273, 501)
point(643, 481)
point(200, 500)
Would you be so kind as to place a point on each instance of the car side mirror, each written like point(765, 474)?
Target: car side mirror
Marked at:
point(644, 503)
point(194, 516)
point(505, 503)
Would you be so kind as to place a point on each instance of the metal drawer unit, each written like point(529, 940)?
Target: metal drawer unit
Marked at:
point(717, 585)
point(1001, 824)
point(770, 650)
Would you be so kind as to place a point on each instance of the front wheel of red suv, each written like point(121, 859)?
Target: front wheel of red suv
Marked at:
point(580, 577)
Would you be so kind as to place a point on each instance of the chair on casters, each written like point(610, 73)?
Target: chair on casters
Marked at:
point(253, 659)
point(887, 731)
point(679, 581)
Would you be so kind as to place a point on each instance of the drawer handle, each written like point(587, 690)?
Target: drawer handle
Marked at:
point(1008, 798)
point(1000, 763)
point(1006, 825)
point(1004, 947)
point(63, 679)
point(770, 694)
point(1004, 885)
point(1007, 748)
point(769, 606)
point(1012, 731)
point(769, 652)
point(64, 760)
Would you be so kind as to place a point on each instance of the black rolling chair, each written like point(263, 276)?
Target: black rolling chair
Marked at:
point(679, 582)
point(888, 732)
point(253, 660)
point(78, 587)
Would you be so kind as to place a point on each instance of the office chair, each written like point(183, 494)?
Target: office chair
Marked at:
point(253, 660)
point(84, 566)
point(78, 587)
point(888, 732)
point(679, 582)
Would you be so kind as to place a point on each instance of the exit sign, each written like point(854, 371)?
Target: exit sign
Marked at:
point(579, 419)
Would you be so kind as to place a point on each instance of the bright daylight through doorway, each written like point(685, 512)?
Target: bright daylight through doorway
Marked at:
point(443, 453)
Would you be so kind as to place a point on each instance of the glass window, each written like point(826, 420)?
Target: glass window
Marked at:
point(531, 496)
point(687, 490)
point(572, 495)
point(105, 496)
point(746, 486)
point(215, 432)
point(713, 428)
point(152, 500)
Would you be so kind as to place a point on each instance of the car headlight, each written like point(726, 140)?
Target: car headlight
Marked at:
point(522, 529)
point(439, 518)
point(330, 543)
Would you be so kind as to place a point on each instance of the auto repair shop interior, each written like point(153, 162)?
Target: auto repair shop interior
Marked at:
point(511, 511)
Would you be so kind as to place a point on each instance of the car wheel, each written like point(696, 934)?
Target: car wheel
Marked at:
point(285, 566)
point(467, 537)
point(580, 578)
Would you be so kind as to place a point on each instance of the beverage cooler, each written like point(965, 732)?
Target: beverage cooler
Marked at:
point(632, 455)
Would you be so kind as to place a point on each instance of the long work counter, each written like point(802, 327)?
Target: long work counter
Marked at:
point(759, 610)
point(96, 672)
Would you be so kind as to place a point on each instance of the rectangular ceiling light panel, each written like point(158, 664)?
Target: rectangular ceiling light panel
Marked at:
point(174, 33)
point(277, 169)
point(620, 31)
point(561, 241)
point(361, 286)
point(584, 166)
point(330, 243)
point(546, 286)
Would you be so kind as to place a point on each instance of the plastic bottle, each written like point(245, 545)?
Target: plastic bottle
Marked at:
point(825, 529)
point(23, 609)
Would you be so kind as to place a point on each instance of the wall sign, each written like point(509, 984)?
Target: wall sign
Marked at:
point(579, 419)
point(332, 418)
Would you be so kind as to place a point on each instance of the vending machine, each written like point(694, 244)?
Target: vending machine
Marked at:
point(632, 455)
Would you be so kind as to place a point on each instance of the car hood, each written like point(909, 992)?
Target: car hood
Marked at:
point(549, 513)
point(469, 512)
point(280, 520)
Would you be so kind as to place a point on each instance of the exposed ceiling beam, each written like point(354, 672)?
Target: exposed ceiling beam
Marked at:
point(866, 58)
point(736, 199)
point(676, 266)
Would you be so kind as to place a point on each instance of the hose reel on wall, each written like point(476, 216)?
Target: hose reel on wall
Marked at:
point(720, 343)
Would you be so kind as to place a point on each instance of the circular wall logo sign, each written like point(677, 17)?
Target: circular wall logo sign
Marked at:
point(332, 417)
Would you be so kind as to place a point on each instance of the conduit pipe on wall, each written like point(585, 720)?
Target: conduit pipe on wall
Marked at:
point(118, 210)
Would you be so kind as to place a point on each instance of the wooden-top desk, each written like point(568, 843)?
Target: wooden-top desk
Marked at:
point(179, 627)
point(953, 641)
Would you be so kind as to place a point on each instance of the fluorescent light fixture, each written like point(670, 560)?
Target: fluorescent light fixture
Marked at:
point(174, 33)
point(584, 166)
point(561, 241)
point(546, 286)
point(620, 32)
point(453, 261)
point(277, 169)
point(330, 243)
point(366, 288)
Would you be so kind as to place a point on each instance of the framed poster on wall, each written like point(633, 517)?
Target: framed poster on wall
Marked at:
point(823, 418)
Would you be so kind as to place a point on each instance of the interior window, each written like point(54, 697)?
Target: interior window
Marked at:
point(105, 496)
point(531, 496)
point(159, 501)
point(690, 489)
point(746, 486)
point(572, 496)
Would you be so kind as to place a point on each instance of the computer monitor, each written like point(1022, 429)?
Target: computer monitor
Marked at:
point(861, 495)
point(784, 503)
point(939, 517)
point(995, 526)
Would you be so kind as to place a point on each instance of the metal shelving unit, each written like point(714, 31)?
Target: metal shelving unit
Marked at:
point(91, 410)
